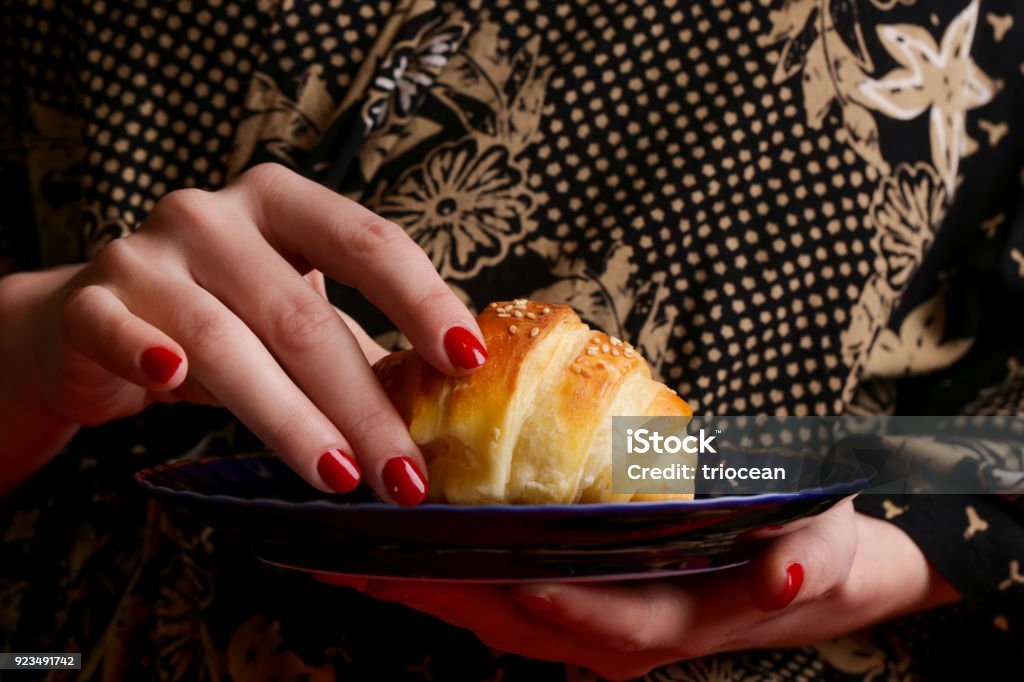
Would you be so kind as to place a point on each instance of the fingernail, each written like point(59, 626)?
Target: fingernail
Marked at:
point(794, 579)
point(774, 527)
point(534, 603)
point(160, 364)
point(404, 482)
point(338, 470)
point(464, 350)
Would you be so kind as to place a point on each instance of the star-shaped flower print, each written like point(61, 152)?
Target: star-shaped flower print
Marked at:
point(942, 80)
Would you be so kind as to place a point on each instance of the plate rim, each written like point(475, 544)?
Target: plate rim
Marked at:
point(639, 575)
point(844, 488)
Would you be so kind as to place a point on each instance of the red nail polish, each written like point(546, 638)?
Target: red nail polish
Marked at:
point(774, 527)
point(159, 364)
point(794, 579)
point(464, 350)
point(404, 482)
point(338, 470)
point(534, 603)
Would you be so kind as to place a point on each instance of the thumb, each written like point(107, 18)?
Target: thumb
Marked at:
point(807, 563)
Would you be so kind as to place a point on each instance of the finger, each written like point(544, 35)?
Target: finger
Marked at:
point(100, 326)
point(320, 354)
point(627, 617)
point(190, 391)
point(371, 349)
point(491, 613)
point(487, 611)
point(236, 368)
point(806, 564)
point(889, 577)
point(316, 280)
point(356, 247)
point(477, 607)
point(687, 617)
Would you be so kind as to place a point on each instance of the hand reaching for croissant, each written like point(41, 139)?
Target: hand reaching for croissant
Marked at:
point(828, 575)
point(218, 297)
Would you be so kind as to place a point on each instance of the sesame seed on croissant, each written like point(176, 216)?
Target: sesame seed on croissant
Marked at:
point(534, 424)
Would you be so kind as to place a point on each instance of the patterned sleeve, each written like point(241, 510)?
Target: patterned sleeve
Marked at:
point(975, 542)
point(969, 313)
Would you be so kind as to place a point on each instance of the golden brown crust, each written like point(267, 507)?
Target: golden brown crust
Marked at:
point(667, 403)
point(511, 329)
point(533, 424)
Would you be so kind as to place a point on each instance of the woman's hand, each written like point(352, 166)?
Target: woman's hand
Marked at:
point(218, 298)
point(833, 574)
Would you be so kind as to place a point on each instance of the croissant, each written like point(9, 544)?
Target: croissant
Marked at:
point(533, 425)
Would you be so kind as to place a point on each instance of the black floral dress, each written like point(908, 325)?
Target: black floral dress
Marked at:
point(790, 206)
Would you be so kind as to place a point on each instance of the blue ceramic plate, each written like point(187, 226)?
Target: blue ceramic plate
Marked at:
point(290, 524)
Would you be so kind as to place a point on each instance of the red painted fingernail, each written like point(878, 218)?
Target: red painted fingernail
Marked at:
point(159, 364)
point(464, 350)
point(534, 603)
point(338, 470)
point(774, 527)
point(404, 482)
point(794, 579)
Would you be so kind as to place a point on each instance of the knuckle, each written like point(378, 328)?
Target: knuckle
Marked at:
point(210, 338)
point(376, 238)
point(118, 256)
point(304, 325)
point(265, 176)
point(184, 203)
point(435, 295)
point(633, 641)
point(191, 208)
point(78, 303)
point(639, 634)
point(79, 313)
